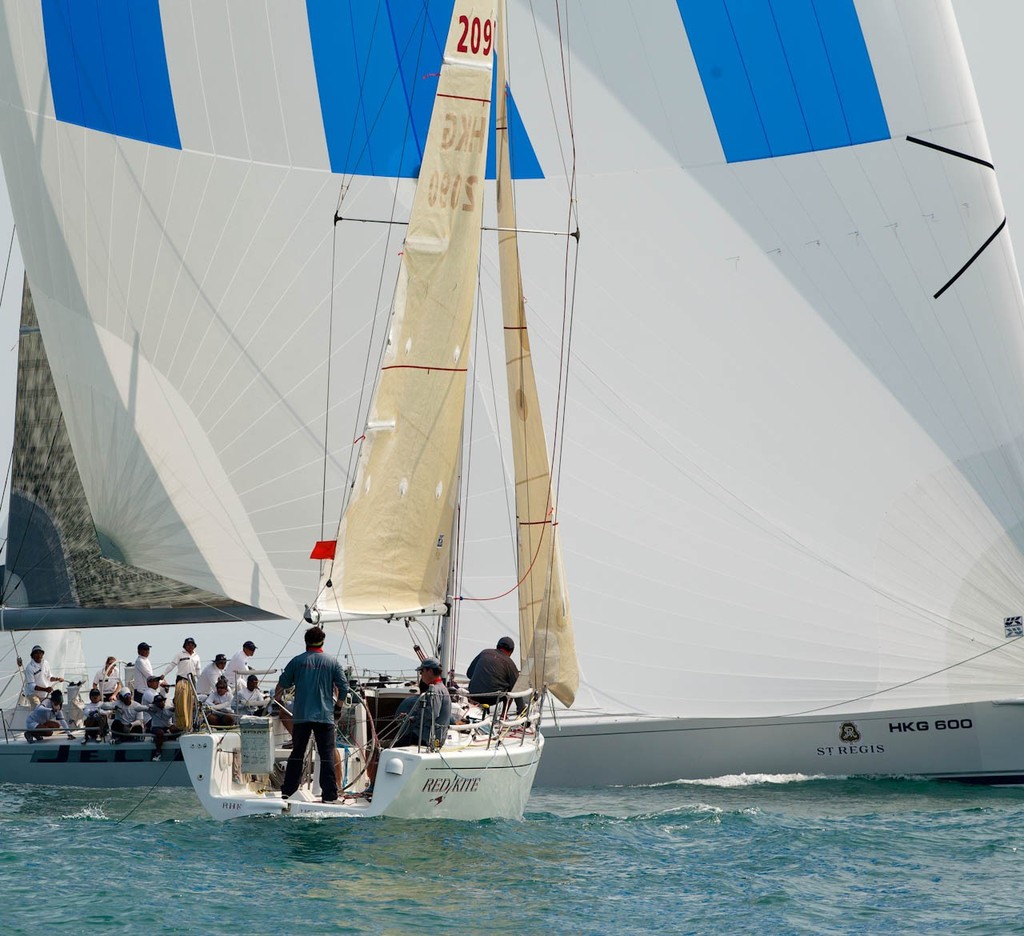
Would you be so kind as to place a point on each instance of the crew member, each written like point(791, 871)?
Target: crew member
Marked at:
point(317, 677)
point(38, 678)
point(207, 681)
point(492, 673)
point(47, 716)
point(430, 717)
point(186, 660)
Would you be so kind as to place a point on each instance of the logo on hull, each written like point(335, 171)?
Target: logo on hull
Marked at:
point(849, 732)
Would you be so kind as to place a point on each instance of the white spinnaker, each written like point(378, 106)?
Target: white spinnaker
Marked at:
point(791, 478)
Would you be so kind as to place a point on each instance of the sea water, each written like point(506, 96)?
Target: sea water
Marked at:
point(760, 855)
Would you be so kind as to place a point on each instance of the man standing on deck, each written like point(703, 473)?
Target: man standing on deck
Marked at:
point(188, 666)
point(316, 676)
point(38, 679)
point(143, 670)
point(207, 680)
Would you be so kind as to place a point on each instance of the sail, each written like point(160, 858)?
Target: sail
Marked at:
point(61, 571)
point(792, 474)
point(393, 554)
point(545, 623)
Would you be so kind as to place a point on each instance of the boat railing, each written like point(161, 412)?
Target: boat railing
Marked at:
point(499, 726)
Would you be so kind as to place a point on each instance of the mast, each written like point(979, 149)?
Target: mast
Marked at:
point(546, 637)
point(393, 553)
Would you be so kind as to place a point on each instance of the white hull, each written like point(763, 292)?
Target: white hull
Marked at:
point(471, 781)
point(979, 742)
point(59, 762)
point(585, 751)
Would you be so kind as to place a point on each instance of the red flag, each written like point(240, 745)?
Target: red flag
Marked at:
point(324, 549)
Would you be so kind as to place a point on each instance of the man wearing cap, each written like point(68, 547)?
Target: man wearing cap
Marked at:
point(153, 686)
point(186, 661)
point(161, 723)
point(45, 717)
point(317, 678)
point(238, 667)
point(143, 670)
point(251, 700)
point(38, 679)
point(219, 705)
point(94, 716)
point(128, 716)
point(493, 672)
point(207, 681)
point(430, 716)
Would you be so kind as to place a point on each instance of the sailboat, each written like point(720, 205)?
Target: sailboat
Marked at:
point(792, 468)
point(63, 574)
point(394, 556)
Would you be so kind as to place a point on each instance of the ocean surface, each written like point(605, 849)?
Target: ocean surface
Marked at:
point(736, 855)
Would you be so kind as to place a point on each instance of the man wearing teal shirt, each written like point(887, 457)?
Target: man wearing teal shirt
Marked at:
point(315, 676)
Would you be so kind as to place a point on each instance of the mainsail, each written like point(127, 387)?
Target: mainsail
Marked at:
point(545, 623)
point(395, 539)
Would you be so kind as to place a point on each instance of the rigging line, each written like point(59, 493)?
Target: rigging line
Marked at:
point(357, 41)
point(148, 792)
point(568, 308)
point(7, 266)
point(909, 682)
point(459, 550)
point(10, 462)
point(327, 389)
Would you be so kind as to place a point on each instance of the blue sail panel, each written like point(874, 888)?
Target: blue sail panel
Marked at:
point(784, 76)
point(108, 68)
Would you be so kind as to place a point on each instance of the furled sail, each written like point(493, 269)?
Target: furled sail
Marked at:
point(546, 640)
point(394, 544)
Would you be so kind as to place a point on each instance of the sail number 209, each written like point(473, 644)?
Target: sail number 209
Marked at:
point(477, 37)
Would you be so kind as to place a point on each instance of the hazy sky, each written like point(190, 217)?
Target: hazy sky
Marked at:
point(991, 31)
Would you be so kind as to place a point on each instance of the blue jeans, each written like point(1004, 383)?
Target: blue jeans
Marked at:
point(323, 733)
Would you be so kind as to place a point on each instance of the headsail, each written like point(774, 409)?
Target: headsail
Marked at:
point(394, 541)
point(546, 637)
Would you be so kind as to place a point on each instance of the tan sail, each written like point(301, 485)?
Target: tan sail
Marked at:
point(545, 622)
point(394, 541)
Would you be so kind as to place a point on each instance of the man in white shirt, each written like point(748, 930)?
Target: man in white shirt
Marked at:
point(107, 679)
point(38, 679)
point(251, 700)
point(238, 669)
point(143, 670)
point(152, 688)
point(207, 681)
point(186, 660)
point(219, 704)
point(127, 716)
